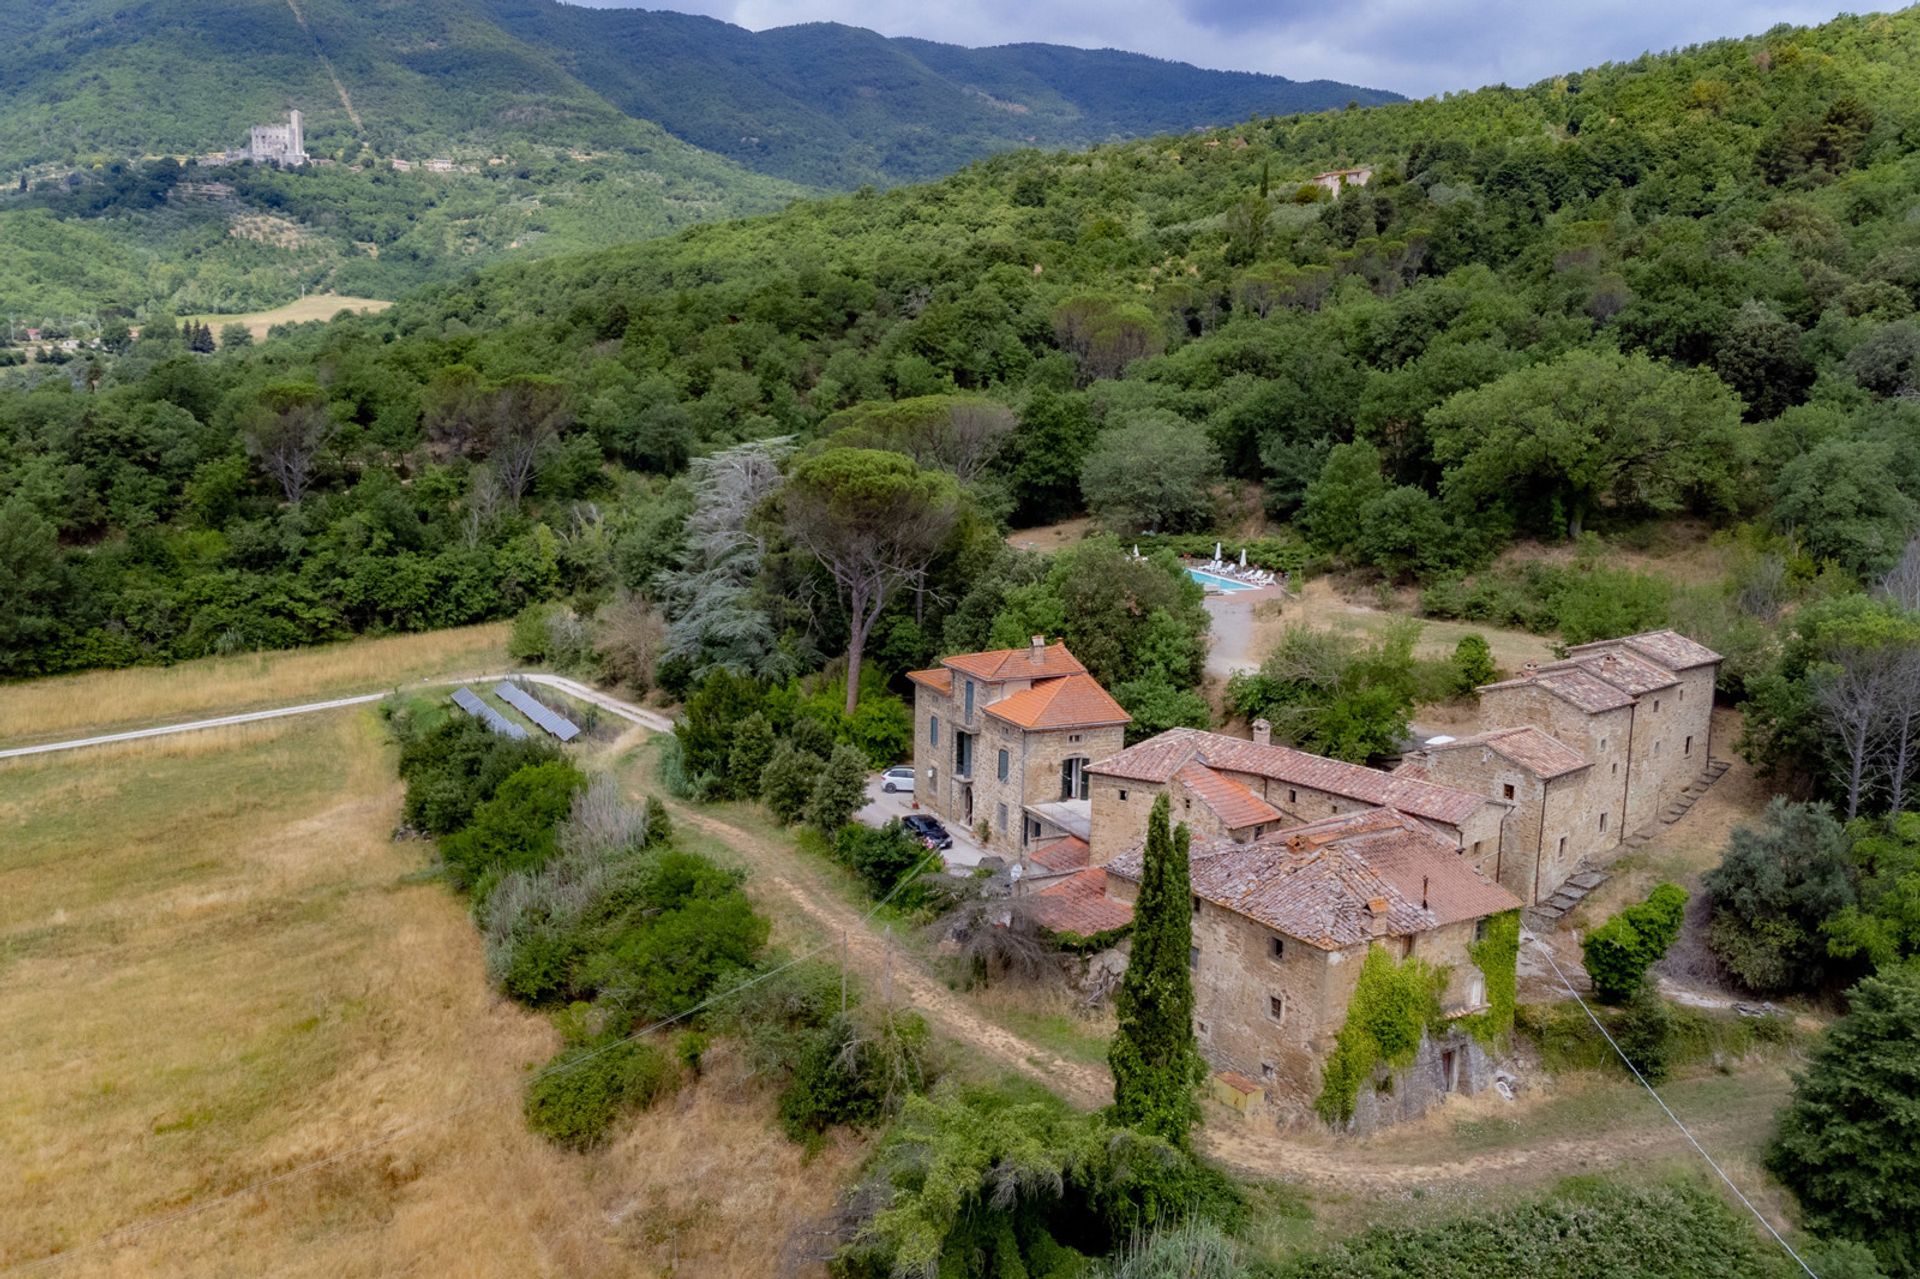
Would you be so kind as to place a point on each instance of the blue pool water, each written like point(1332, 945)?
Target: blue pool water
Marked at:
point(1217, 582)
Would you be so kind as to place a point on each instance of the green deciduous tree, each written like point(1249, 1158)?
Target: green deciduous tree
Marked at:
point(1773, 892)
point(1594, 430)
point(1155, 1059)
point(839, 790)
point(1153, 471)
point(1849, 1141)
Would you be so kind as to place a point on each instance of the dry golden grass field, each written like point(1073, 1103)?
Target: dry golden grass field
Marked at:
point(218, 967)
point(318, 306)
point(103, 701)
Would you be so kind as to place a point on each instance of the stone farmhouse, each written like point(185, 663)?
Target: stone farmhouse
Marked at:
point(1004, 740)
point(1336, 180)
point(1283, 922)
point(1300, 864)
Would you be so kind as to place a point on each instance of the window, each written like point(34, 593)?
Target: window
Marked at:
point(1201, 1027)
point(1001, 819)
point(1293, 796)
point(1073, 737)
point(1479, 846)
point(1193, 957)
point(963, 754)
point(1480, 928)
point(1563, 846)
point(1032, 829)
point(1123, 795)
point(1686, 747)
point(1477, 991)
point(1277, 1007)
point(1603, 822)
point(1277, 947)
point(1003, 764)
point(1656, 706)
point(1603, 743)
point(1656, 746)
point(1506, 791)
point(933, 729)
point(1266, 1071)
point(1613, 770)
point(1186, 803)
point(969, 700)
point(1073, 777)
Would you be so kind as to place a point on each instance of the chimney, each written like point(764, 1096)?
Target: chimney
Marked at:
point(1530, 670)
point(1037, 650)
point(1377, 917)
point(1608, 661)
point(1262, 733)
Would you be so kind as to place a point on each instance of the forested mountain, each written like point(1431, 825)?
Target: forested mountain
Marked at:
point(551, 128)
point(1680, 284)
point(837, 106)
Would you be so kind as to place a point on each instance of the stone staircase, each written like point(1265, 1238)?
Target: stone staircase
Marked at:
point(1588, 877)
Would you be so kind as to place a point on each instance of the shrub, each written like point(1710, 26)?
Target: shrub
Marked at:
point(787, 782)
point(1645, 1033)
point(575, 1100)
point(1473, 664)
point(840, 790)
point(454, 767)
point(667, 962)
point(880, 856)
point(514, 830)
point(1619, 952)
point(855, 1074)
point(1775, 889)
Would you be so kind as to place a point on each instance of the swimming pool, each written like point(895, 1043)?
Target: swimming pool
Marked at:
point(1215, 582)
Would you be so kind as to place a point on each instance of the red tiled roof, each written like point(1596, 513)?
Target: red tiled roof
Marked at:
point(1623, 670)
point(1670, 649)
point(1062, 855)
point(1573, 685)
point(1003, 664)
point(1235, 805)
point(939, 679)
point(1539, 753)
point(1079, 904)
point(1158, 758)
point(1341, 881)
point(1074, 701)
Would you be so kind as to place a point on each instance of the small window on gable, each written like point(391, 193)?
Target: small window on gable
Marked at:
point(1603, 821)
point(1201, 1028)
point(1277, 947)
point(1123, 795)
point(1506, 790)
point(1293, 796)
point(1563, 846)
point(1277, 1007)
point(1613, 770)
point(1603, 743)
point(1656, 706)
point(1073, 737)
point(1186, 802)
point(1656, 746)
point(1686, 747)
point(1266, 1071)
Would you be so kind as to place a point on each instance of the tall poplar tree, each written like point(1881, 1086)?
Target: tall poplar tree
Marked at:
point(1155, 1059)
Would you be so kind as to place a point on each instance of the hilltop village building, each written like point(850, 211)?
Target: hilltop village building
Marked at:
point(1301, 864)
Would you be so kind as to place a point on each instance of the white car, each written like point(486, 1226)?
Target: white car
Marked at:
point(898, 778)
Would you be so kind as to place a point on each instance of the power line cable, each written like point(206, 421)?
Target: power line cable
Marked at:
point(1661, 1102)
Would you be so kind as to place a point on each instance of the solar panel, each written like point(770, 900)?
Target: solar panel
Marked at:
point(537, 711)
point(469, 701)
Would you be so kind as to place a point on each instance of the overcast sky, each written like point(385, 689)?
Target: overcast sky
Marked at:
point(1415, 47)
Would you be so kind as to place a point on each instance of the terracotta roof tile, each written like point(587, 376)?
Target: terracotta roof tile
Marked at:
point(1235, 805)
point(1574, 686)
point(1062, 855)
point(1159, 758)
point(1670, 649)
point(1001, 664)
point(1074, 701)
point(939, 679)
point(1622, 669)
point(1341, 881)
point(1079, 904)
point(1538, 752)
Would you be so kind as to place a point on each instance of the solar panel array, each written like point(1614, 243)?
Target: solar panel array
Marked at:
point(469, 701)
point(537, 711)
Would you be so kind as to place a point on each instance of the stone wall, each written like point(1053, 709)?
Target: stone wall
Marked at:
point(1596, 821)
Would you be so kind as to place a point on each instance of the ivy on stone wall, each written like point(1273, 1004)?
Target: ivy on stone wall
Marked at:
point(1393, 1005)
point(1497, 956)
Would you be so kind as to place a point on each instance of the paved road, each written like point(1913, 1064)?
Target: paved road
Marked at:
point(626, 710)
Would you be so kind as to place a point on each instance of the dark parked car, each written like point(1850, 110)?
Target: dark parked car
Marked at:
point(927, 831)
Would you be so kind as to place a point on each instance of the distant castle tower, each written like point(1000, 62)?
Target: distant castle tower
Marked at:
point(281, 144)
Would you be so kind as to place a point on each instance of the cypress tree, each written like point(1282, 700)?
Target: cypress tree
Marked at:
point(1156, 1062)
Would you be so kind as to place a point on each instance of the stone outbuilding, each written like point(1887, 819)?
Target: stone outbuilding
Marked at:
point(1283, 922)
point(1003, 740)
